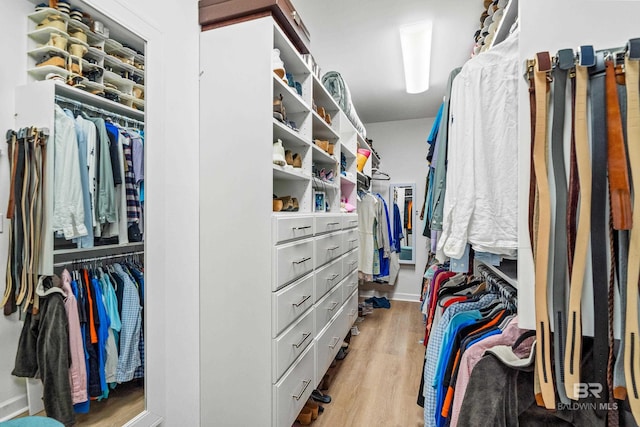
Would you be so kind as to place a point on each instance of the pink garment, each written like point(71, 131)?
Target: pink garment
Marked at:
point(473, 354)
point(78, 368)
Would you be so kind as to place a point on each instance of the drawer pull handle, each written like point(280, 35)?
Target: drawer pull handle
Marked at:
point(332, 278)
point(332, 223)
point(302, 260)
point(353, 312)
point(335, 342)
point(333, 306)
point(302, 301)
point(353, 262)
point(301, 228)
point(353, 240)
point(304, 338)
point(333, 248)
point(353, 221)
point(304, 388)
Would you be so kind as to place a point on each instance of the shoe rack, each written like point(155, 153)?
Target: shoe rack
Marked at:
point(292, 294)
point(102, 66)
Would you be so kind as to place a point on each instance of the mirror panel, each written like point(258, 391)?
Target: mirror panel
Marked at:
point(403, 220)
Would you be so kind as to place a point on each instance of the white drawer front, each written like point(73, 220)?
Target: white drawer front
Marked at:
point(327, 248)
point(290, 302)
point(327, 223)
point(327, 308)
point(291, 343)
point(291, 227)
point(327, 345)
point(349, 221)
point(351, 310)
point(292, 260)
point(293, 390)
point(349, 285)
point(350, 262)
point(327, 277)
point(350, 239)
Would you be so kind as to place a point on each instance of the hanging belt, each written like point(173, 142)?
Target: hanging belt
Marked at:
point(565, 61)
point(532, 172)
point(622, 247)
point(574, 325)
point(619, 190)
point(9, 298)
point(574, 181)
point(599, 224)
point(632, 342)
point(540, 154)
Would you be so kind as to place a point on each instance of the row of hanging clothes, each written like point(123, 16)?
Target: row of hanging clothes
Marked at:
point(477, 359)
point(378, 260)
point(87, 336)
point(98, 176)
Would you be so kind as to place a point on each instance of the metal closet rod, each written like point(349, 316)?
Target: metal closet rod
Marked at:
point(98, 258)
point(97, 110)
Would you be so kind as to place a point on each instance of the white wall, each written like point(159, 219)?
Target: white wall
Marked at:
point(603, 24)
point(172, 198)
point(402, 146)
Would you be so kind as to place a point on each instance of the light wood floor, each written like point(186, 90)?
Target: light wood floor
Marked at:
point(124, 403)
point(377, 383)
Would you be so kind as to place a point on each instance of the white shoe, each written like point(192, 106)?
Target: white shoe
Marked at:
point(277, 65)
point(278, 153)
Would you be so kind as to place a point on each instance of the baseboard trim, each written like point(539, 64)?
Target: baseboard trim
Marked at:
point(390, 295)
point(13, 407)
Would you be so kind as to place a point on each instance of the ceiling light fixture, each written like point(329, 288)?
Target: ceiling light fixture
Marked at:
point(415, 40)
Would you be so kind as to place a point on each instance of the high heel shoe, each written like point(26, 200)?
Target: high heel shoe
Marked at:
point(288, 156)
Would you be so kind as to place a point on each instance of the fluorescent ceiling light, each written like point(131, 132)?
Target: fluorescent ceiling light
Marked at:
point(415, 40)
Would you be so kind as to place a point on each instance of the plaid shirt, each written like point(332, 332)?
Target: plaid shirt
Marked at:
point(129, 358)
point(433, 352)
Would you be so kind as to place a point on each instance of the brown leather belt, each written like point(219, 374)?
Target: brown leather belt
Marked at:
point(540, 155)
point(574, 325)
point(620, 192)
point(532, 171)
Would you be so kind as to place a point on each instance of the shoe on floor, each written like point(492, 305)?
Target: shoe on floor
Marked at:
point(318, 396)
point(305, 416)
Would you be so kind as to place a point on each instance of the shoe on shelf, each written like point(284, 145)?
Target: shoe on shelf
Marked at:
point(327, 118)
point(288, 156)
point(323, 144)
point(278, 153)
point(292, 125)
point(278, 107)
point(321, 112)
point(305, 416)
point(277, 204)
point(329, 176)
point(290, 81)
point(277, 65)
point(323, 175)
point(297, 160)
point(287, 203)
point(330, 149)
point(295, 206)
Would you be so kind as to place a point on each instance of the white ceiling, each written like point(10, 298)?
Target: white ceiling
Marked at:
point(360, 40)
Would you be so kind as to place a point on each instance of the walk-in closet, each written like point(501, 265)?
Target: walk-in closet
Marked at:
point(340, 213)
